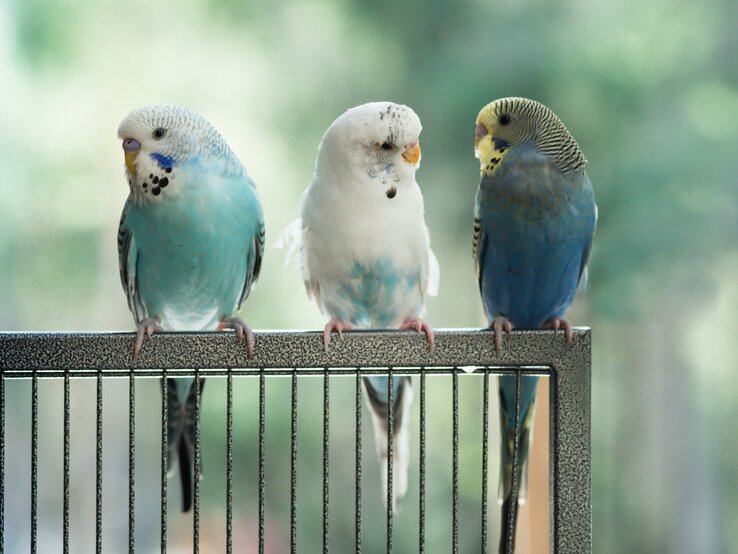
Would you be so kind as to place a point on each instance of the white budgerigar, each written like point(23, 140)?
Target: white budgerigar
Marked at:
point(365, 251)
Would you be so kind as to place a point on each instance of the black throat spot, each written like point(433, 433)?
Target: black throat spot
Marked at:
point(391, 192)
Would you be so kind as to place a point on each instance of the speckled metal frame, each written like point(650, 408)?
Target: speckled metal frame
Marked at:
point(23, 355)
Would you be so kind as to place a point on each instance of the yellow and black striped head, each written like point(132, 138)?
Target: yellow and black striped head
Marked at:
point(508, 122)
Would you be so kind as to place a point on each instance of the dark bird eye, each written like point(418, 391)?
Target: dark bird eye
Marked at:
point(504, 119)
point(386, 145)
point(159, 133)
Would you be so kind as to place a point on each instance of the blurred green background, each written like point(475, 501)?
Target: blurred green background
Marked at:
point(650, 91)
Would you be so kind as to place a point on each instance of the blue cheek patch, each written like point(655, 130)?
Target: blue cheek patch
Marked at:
point(500, 144)
point(164, 161)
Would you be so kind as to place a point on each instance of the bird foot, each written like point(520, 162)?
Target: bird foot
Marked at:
point(242, 332)
point(500, 324)
point(420, 326)
point(145, 327)
point(337, 325)
point(557, 323)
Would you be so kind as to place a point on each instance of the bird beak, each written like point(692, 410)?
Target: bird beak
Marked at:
point(131, 147)
point(412, 153)
point(482, 132)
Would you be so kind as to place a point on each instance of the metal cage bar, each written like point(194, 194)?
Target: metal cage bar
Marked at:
point(229, 463)
point(455, 463)
point(485, 457)
point(421, 469)
point(34, 463)
point(67, 424)
point(357, 457)
point(99, 355)
point(2, 466)
point(326, 457)
point(164, 462)
point(293, 464)
point(98, 463)
point(196, 469)
point(131, 463)
point(390, 456)
point(262, 478)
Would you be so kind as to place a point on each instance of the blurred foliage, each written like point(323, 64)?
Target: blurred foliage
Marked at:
point(650, 91)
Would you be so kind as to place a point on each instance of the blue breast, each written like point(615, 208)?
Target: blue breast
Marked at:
point(375, 295)
point(537, 225)
point(195, 248)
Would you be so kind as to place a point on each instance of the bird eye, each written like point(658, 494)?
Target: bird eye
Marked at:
point(386, 145)
point(504, 119)
point(159, 133)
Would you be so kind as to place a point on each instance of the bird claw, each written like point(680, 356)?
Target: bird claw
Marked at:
point(337, 325)
point(146, 327)
point(242, 332)
point(500, 324)
point(420, 326)
point(557, 323)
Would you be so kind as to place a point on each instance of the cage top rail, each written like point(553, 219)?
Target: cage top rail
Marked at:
point(286, 349)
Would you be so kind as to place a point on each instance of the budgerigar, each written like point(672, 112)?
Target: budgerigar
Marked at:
point(366, 257)
point(534, 220)
point(190, 244)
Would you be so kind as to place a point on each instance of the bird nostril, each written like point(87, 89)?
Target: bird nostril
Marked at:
point(131, 145)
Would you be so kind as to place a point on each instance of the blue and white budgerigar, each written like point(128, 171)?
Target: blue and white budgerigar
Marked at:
point(190, 243)
point(365, 251)
point(534, 220)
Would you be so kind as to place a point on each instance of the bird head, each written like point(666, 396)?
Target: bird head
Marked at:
point(159, 138)
point(508, 122)
point(379, 142)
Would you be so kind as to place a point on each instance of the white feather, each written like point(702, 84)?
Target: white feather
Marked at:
point(290, 238)
point(364, 208)
point(400, 446)
point(347, 217)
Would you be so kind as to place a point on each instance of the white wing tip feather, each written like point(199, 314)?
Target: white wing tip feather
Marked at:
point(290, 238)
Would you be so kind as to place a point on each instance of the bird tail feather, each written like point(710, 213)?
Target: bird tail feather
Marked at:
point(507, 394)
point(181, 435)
point(377, 398)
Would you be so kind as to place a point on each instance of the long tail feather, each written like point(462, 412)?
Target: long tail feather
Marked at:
point(507, 394)
point(181, 433)
point(185, 475)
point(402, 397)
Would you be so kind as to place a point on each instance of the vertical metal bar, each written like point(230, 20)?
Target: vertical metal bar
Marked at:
point(196, 470)
point(570, 436)
point(421, 464)
point(131, 463)
point(455, 464)
point(66, 463)
point(229, 463)
point(262, 481)
point(98, 465)
point(164, 459)
point(293, 465)
point(34, 463)
point(357, 458)
point(512, 520)
point(2, 463)
point(326, 432)
point(485, 456)
point(390, 456)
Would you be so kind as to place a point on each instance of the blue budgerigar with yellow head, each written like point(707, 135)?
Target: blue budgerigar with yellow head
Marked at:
point(190, 243)
point(534, 220)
